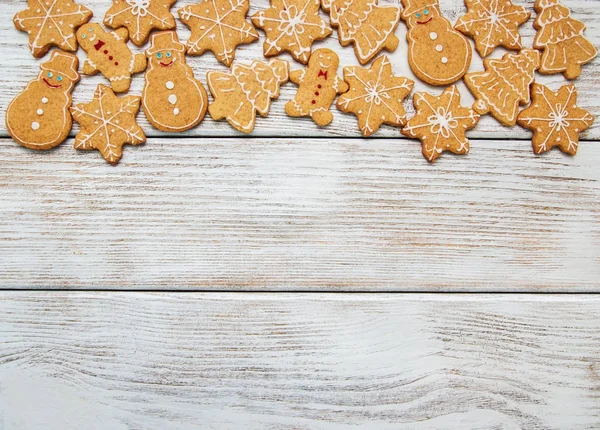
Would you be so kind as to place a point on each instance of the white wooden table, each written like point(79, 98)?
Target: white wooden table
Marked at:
point(192, 286)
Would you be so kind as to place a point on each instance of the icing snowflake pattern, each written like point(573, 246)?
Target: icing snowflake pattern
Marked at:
point(555, 119)
point(107, 129)
point(51, 23)
point(440, 123)
point(492, 23)
point(285, 21)
point(382, 92)
point(218, 26)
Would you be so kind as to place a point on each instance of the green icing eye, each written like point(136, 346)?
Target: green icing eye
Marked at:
point(50, 74)
point(83, 36)
point(418, 15)
point(90, 29)
point(159, 55)
point(168, 54)
point(426, 12)
point(59, 78)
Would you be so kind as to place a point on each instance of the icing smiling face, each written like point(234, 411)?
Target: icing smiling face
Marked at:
point(55, 80)
point(164, 58)
point(422, 16)
point(325, 59)
point(87, 35)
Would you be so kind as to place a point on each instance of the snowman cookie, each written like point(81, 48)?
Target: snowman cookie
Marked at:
point(39, 117)
point(437, 53)
point(173, 99)
point(318, 86)
point(108, 54)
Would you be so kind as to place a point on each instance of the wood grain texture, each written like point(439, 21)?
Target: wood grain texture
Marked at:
point(301, 361)
point(18, 67)
point(308, 214)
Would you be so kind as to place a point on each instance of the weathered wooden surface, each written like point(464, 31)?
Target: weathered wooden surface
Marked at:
point(231, 361)
point(18, 67)
point(307, 214)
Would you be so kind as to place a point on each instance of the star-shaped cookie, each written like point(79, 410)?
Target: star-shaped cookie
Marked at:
point(492, 23)
point(292, 26)
point(440, 123)
point(376, 96)
point(140, 17)
point(218, 26)
point(51, 23)
point(107, 123)
point(555, 119)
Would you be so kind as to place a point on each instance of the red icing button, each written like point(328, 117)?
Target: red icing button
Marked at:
point(116, 64)
point(319, 86)
point(316, 93)
point(105, 51)
point(313, 102)
point(110, 57)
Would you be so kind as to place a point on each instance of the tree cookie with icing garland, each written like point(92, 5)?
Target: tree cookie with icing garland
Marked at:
point(437, 53)
point(39, 118)
point(555, 119)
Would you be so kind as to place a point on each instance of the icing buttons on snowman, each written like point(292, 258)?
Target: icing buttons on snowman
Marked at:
point(437, 54)
point(173, 99)
point(39, 118)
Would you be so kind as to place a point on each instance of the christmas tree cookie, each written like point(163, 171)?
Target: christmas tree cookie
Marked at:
point(555, 119)
point(504, 85)
point(366, 24)
point(437, 54)
point(39, 118)
point(440, 123)
point(561, 39)
point(376, 96)
point(245, 90)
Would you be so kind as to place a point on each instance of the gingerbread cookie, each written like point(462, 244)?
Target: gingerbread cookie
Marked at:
point(244, 90)
point(561, 39)
point(318, 86)
point(376, 96)
point(437, 54)
point(366, 24)
point(292, 26)
point(39, 117)
point(173, 99)
point(140, 17)
point(493, 23)
point(440, 123)
point(219, 26)
point(108, 54)
point(555, 119)
point(504, 85)
point(107, 123)
point(51, 22)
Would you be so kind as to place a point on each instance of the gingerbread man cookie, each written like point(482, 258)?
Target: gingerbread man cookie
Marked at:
point(108, 54)
point(173, 99)
point(437, 54)
point(561, 39)
point(292, 26)
point(493, 23)
point(39, 117)
point(318, 86)
point(555, 119)
point(107, 123)
point(51, 22)
point(440, 123)
point(140, 17)
point(245, 90)
point(219, 26)
point(376, 96)
point(366, 24)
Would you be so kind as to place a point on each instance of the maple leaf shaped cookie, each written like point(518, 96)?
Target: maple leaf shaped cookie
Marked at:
point(555, 119)
point(51, 22)
point(492, 23)
point(440, 123)
point(219, 26)
point(375, 96)
point(140, 17)
point(292, 26)
point(107, 123)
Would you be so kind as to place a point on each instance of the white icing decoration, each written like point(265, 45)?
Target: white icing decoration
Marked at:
point(170, 85)
point(176, 111)
point(444, 60)
point(439, 48)
point(35, 125)
point(44, 100)
point(40, 112)
point(433, 35)
point(172, 99)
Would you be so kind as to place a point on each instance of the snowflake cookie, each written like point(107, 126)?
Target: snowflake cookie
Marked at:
point(440, 123)
point(219, 26)
point(555, 119)
point(51, 22)
point(292, 26)
point(376, 96)
point(140, 17)
point(493, 23)
point(107, 123)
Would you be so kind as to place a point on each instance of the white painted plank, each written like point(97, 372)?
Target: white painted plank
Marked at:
point(281, 214)
point(301, 361)
point(18, 67)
